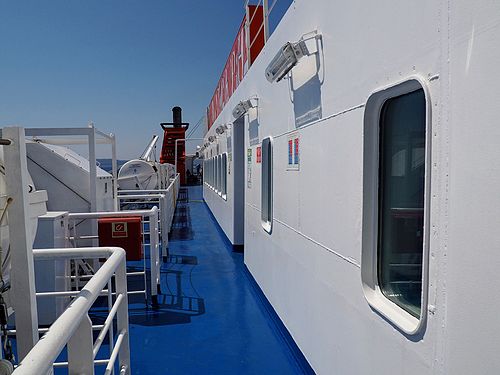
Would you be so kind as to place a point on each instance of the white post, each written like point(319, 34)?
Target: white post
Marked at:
point(80, 349)
point(93, 186)
point(154, 256)
point(247, 37)
point(175, 156)
point(21, 248)
point(164, 212)
point(122, 318)
point(114, 167)
point(266, 20)
point(93, 169)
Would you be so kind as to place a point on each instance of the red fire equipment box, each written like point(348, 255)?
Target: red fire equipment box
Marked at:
point(124, 232)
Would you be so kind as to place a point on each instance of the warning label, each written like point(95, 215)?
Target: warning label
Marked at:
point(249, 168)
point(119, 230)
point(293, 152)
point(259, 155)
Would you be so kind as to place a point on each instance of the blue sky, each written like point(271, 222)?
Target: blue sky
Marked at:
point(122, 64)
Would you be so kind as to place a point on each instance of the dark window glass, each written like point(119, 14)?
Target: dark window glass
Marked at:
point(219, 174)
point(401, 199)
point(224, 174)
point(267, 184)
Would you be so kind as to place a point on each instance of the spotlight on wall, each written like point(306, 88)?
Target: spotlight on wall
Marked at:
point(286, 58)
point(242, 107)
point(221, 128)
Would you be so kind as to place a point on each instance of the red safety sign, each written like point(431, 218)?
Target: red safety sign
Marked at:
point(119, 230)
point(259, 154)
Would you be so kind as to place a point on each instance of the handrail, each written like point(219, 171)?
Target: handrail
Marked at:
point(41, 357)
point(163, 206)
point(154, 237)
point(95, 215)
point(167, 200)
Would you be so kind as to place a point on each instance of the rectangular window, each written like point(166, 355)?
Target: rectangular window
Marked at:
point(219, 174)
point(401, 199)
point(224, 176)
point(210, 172)
point(209, 162)
point(267, 184)
point(216, 174)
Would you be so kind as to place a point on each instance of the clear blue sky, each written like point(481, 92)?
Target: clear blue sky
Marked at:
point(122, 64)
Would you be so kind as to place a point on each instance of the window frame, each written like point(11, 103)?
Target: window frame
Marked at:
point(216, 175)
point(219, 175)
point(208, 173)
point(267, 222)
point(212, 173)
point(224, 175)
point(394, 313)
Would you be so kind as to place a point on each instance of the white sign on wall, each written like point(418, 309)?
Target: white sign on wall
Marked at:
point(293, 149)
point(249, 168)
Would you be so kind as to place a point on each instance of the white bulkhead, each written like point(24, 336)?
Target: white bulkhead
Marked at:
point(316, 258)
point(65, 175)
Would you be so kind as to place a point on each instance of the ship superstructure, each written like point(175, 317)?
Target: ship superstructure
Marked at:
point(345, 222)
point(360, 148)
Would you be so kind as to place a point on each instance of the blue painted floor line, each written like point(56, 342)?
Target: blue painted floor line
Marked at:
point(210, 319)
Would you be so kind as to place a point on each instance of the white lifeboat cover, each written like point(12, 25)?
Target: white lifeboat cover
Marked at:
point(138, 175)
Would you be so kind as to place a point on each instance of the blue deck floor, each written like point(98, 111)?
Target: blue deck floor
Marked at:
point(211, 318)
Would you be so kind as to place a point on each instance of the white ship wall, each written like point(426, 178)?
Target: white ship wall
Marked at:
point(228, 210)
point(220, 207)
point(309, 267)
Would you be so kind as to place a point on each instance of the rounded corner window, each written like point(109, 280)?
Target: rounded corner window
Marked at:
point(267, 184)
point(396, 185)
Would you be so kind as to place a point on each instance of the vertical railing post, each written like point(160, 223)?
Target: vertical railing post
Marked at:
point(175, 156)
point(247, 39)
point(93, 169)
point(93, 184)
point(154, 255)
point(164, 212)
point(122, 318)
point(114, 170)
point(266, 20)
point(21, 248)
point(111, 331)
point(80, 349)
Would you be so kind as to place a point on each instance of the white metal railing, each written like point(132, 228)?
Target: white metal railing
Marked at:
point(73, 328)
point(150, 290)
point(90, 136)
point(165, 199)
point(268, 7)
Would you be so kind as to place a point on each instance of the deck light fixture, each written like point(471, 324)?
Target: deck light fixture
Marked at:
point(243, 107)
point(286, 58)
point(221, 128)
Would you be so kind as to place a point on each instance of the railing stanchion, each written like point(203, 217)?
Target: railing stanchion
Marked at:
point(122, 318)
point(154, 255)
point(111, 332)
point(164, 212)
point(80, 349)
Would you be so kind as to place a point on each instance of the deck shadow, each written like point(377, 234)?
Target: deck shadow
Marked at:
point(182, 229)
point(175, 306)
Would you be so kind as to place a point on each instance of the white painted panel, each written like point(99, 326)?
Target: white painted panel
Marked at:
point(308, 267)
